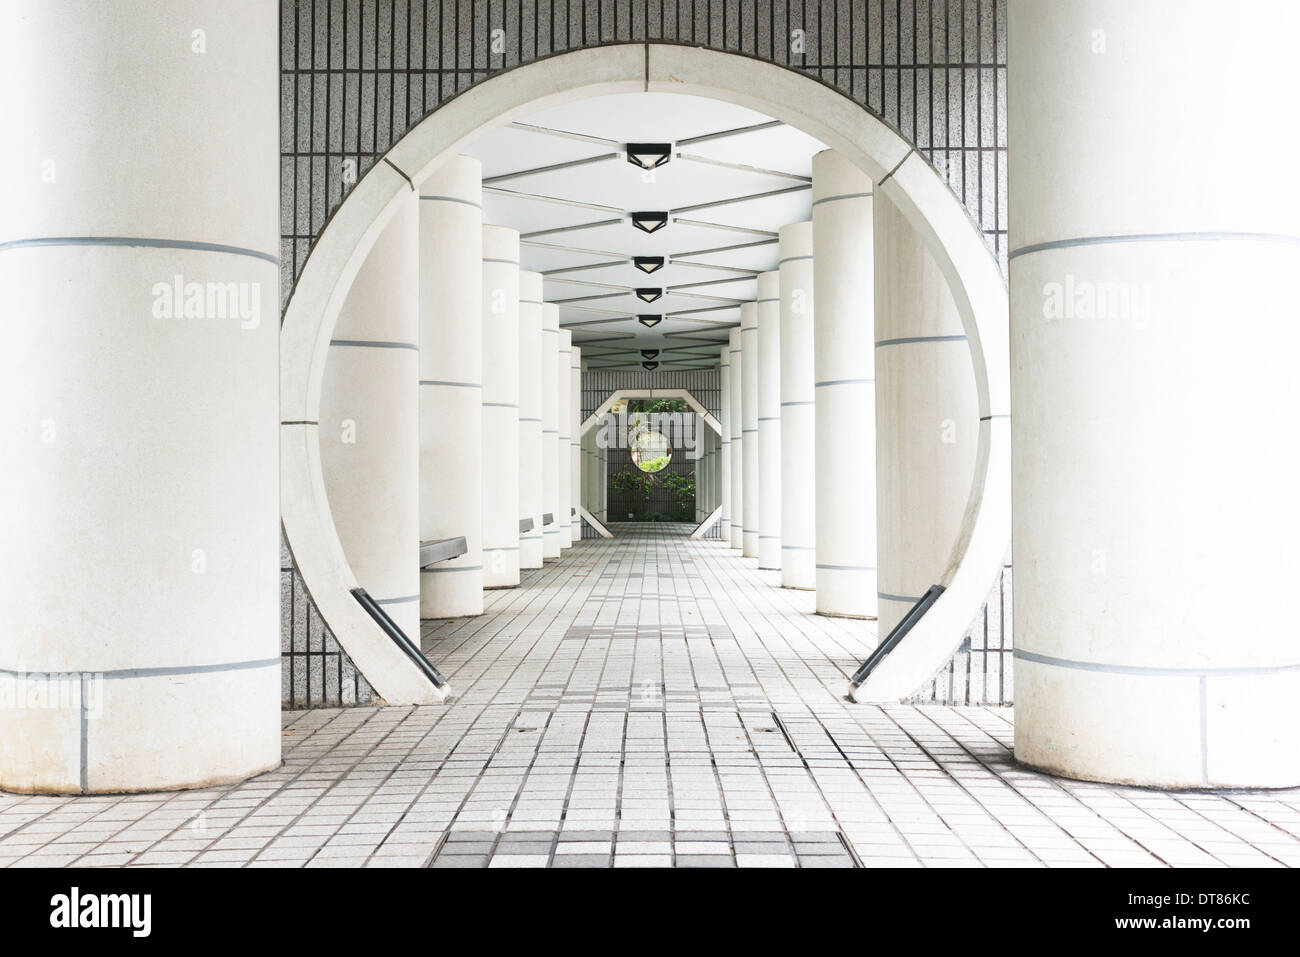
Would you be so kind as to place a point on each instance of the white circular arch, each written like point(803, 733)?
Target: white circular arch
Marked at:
point(896, 168)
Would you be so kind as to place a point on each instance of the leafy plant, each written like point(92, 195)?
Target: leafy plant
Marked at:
point(682, 487)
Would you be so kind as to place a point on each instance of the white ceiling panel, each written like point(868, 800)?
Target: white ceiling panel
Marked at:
point(508, 149)
point(727, 195)
point(779, 147)
point(647, 117)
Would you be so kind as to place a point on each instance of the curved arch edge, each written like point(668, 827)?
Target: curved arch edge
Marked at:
point(926, 201)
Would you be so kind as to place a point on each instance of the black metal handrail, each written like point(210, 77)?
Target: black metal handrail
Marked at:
point(399, 637)
point(898, 633)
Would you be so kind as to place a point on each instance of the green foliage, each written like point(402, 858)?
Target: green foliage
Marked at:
point(682, 487)
point(650, 406)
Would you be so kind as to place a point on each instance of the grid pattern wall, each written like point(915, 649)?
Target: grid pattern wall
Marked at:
point(599, 384)
point(981, 670)
point(316, 672)
point(358, 74)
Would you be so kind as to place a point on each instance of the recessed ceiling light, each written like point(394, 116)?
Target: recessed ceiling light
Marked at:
point(650, 320)
point(649, 155)
point(650, 366)
point(649, 221)
point(649, 353)
point(648, 264)
point(649, 293)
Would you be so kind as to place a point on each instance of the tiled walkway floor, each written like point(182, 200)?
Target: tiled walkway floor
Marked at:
point(652, 701)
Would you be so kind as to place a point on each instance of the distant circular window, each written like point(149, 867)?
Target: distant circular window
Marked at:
point(650, 451)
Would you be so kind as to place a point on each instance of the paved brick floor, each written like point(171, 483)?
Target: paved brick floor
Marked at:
point(646, 702)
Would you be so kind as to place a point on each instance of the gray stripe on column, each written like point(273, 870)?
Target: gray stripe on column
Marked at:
point(1150, 672)
point(373, 344)
point(1208, 236)
point(832, 199)
point(145, 672)
point(142, 241)
point(459, 385)
point(452, 199)
point(906, 339)
point(818, 385)
point(849, 568)
point(907, 598)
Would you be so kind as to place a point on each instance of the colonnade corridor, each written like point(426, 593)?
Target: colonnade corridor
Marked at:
point(652, 700)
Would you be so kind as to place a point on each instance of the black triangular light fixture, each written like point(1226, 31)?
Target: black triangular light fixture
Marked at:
point(649, 155)
point(648, 293)
point(649, 366)
point(648, 264)
point(649, 320)
point(649, 353)
point(649, 220)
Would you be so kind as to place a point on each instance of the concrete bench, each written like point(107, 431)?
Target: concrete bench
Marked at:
point(442, 550)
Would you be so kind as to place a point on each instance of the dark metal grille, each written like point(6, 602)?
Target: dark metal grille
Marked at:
point(357, 74)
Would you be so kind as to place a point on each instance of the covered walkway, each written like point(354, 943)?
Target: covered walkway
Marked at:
point(652, 701)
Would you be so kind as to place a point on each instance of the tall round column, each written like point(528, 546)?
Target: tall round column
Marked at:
point(370, 421)
point(575, 443)
point(500, 407)
point(139, 647)
point(769, 420)
point(927, 417)
point(798, 442)
point(530, 418)
point(844, 382)
point(749, 427)
point(451, 384)
point(1153, 342)
point(564, 420)
point(724, 454)
point(550, 430)
point(737, 441)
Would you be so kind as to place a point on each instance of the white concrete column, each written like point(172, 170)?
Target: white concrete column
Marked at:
point(370, 421)
point(500, 407)
point(564, 420)
point(798, 428)
point(927, 417)
point(139, 582)
point(769, 420)
point(575, 443)
point(550, 429)
point(451, 384)
point(749, 426)
point(724, 452)
point(1153, 342)
point(737, 441)
point(530, 417)
point(844, 380)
